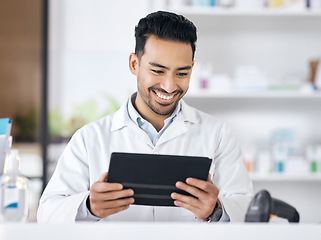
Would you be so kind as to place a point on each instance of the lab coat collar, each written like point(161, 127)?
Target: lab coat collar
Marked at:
point(179, 125)
point(121, 118)
point(121, 121)
point(188, 113)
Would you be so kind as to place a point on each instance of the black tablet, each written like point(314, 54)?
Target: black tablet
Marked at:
point(153, 177)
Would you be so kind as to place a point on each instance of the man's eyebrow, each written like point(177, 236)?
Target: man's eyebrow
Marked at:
point(161, 66)
point(154, 64)
point(184, 68)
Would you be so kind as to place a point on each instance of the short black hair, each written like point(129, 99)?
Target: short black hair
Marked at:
point(164, 25)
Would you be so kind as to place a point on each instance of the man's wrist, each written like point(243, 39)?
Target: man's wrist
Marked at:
point(216, 214)
point(88, 205)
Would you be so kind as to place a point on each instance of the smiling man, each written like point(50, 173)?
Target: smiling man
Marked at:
point(163, 73)
point(155, 120)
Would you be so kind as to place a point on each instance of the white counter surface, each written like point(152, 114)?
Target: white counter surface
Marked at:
point(161, 231)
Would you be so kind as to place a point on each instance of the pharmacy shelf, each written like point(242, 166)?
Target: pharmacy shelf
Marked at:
point(286, 177)
point(264, 95)
point(216, 11)
point(31, 159)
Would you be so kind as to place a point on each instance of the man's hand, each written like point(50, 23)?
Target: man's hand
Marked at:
point(205, 196)
point(108, 198)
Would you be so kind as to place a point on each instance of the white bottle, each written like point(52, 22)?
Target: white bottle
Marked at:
point(14, 194)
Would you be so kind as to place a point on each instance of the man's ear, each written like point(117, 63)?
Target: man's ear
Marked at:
point(133, 64)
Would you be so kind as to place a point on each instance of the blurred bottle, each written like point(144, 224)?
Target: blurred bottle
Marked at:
point(263, 163)
point(280, 155)
point(314, 4)
point(276, 3)
point(203, 3)
point(313, 155)
point(249, 153)
point(250, 4)
point(205, 75)
point(14, 194)
point(226, 3)
point(285, 146)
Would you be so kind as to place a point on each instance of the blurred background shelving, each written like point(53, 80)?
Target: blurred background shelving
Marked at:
point(234, 12)
point(236, 95)
point(291, 178)
point(271, 47)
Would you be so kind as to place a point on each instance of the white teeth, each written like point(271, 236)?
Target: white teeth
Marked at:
point(164, 97)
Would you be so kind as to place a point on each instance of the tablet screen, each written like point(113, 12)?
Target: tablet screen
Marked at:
point(153, 177)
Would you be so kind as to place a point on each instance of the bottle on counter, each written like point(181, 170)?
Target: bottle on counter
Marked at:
point(14, 192)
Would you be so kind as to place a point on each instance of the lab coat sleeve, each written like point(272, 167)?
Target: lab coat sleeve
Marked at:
point(84, 214)
point(231, 176)
point(69, 185)
point(225, 217)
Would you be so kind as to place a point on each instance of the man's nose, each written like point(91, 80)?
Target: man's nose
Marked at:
point(168, 84)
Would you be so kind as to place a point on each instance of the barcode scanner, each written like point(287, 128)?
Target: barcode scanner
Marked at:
point(263, 206)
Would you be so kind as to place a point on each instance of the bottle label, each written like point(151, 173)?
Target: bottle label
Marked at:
point(314, 166)
point(11, 197)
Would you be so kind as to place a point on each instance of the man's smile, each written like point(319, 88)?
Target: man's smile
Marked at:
point(164, 98)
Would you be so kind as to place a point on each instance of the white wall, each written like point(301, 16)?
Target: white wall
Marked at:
point(90, 42)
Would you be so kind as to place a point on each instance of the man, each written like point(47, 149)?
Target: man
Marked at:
point(153, 120)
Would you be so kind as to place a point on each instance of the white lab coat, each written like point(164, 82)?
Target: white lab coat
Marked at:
point(192, 133)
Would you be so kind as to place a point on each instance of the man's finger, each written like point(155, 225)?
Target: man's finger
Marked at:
point(118, 194)
point(196, 192)
point(191, 208)
point(192, 201)
point(117, 203)
point(111, 211)
point(102, 213)
point(103, 177)
point(206, 186)
point(197, 183)
point(209, 179)
point(103, 187)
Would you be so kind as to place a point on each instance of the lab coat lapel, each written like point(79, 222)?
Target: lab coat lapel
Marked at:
point(179, 125)
point(133, 131)
point(177, 128)
point(122, 122)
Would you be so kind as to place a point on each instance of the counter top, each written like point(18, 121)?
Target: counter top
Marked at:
point(160, 231)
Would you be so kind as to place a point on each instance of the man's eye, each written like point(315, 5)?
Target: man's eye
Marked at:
point(157, 71)
point(182, 74)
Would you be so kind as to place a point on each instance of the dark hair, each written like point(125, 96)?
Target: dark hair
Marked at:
point(164, 25)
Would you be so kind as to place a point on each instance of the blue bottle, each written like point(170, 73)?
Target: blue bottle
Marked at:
point(14, 193)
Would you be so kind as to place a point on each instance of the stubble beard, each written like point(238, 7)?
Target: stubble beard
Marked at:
point(162, 110)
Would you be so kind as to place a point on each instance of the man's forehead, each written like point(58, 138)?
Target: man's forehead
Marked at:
point(154, 43)
point(168, 52)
